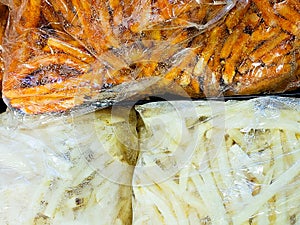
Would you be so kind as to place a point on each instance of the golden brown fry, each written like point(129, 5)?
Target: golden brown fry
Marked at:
point(3, 22)
point(50, 15)
point(288, 26)
point(230, 63)
point(65, 10)
point(101, 12)
point(166, 9)
point(260, 35)
point(62, 46)
point(38, 105)
point(227, 47)
point(294, 3)
point(86, 44)
point(272, 19)
point(213, 40)
point(288, 12)
point(117, 11)
point(98, 40)
point(264, 33)
point(245, 66)
point(141, 15)
point(15, 76)
point(250, 21)
point(198, 13)
point(267, 12)
point(276, 53)
point(268, 46)
point(235, 16)
point(265, 79)
point(30, 15)
point(195, 88)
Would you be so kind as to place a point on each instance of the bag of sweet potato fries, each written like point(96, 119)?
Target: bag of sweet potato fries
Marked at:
point(61, 54)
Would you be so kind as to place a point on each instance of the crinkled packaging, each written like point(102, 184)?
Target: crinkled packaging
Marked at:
point(61, 54)
point(76, 147)
point(72, 171)
point(177, 162)
point(219, 163)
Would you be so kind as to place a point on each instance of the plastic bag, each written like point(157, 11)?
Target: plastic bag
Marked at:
point(218, 163)
point(3, 21)
point(182, 162)
point(61, 172)
point(62, 54)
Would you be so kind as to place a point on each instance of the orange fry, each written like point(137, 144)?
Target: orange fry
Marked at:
point(263, 79)
point(231, 39)
point(268, 46)
point(65, 88)
point(3, 22)
point(67, 48)
point(235, 16)
point(289, 13)
point(294, 3)
point(230, 63)
point(38, 105)
point(250, 20)
point(61, 7)
point(214, 39)
point(272, 19)
point(14, 77)
point(30, 15)
point(50, 15)
point(276, 53)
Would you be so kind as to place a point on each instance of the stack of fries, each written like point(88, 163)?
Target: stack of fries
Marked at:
point(59, 53)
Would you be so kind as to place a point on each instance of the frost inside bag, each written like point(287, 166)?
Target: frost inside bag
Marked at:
point(60, 172)
point(230, 163)
point(61, 54)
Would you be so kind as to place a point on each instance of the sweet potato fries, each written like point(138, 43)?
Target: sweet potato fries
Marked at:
point(62, 53)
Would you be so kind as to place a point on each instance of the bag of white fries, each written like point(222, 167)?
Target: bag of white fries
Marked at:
point(202, 162)
point(219, 163)
point(65, 171)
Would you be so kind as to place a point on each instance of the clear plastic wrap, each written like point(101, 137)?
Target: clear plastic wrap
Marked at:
point(219, 163)
point(60, 172)
point(176, 162)
point(60, 54)
point(3, 21)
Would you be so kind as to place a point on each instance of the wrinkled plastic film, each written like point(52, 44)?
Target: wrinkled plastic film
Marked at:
point(3, 21)
point(73, 53)
point(55, 173)
point(243, 170)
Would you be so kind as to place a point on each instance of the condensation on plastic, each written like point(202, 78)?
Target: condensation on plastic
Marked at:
point(228, 163)
point(61, 54)
point(51, 173)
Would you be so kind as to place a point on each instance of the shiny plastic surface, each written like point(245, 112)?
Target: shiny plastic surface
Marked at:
point(52, 173)
point(3, 22)
point(61, 54)
point(179, 162)
point(219, 163)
